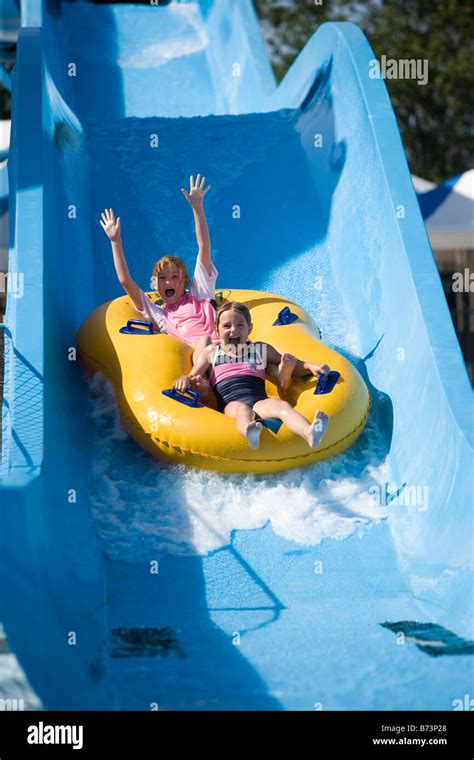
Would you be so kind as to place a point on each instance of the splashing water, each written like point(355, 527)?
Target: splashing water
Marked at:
point(144, 508)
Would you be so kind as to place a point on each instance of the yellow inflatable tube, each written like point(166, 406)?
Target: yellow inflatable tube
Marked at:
point(140, 367)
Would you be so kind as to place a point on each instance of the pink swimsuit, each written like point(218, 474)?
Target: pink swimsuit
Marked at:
point(242, 381)
point(190, 319)
point(194, 315)
point(225, 366)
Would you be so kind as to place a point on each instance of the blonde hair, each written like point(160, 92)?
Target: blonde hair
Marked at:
point(236, 306)
point(165, 261)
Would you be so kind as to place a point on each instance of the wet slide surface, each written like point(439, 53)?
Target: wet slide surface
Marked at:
point(343, 585)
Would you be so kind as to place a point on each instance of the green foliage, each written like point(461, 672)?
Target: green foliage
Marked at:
point(435, 119)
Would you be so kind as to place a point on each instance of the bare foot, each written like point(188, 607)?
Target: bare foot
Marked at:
point(318, 428)
point(285, 370)
point(253, 434)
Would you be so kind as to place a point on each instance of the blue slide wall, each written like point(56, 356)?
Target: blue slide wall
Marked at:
point(329, 219)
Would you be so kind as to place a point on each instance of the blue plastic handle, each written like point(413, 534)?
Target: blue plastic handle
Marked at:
point(183, 397)
point(326, 383)
point(285, 317)
point(129, 330)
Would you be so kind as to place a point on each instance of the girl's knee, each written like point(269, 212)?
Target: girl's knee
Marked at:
point(239, 409)
point(232, 408)
point(284, 407)
point(245, 409)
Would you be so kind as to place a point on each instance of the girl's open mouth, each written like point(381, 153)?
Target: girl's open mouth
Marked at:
point(234, 341)
point(169, 292)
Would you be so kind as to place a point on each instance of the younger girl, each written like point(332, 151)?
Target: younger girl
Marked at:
point(237, 376)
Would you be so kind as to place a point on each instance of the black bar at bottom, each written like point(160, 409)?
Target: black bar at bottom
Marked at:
point(324, 734)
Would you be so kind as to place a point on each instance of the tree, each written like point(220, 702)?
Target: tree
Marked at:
point(435, 119)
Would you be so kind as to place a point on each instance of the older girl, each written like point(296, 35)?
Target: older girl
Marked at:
point(187, 315)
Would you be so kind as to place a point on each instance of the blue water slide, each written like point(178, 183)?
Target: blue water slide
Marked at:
point(134, 585)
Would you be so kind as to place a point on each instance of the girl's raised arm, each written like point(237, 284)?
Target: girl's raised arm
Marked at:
point(195, 198)
point(111, 227)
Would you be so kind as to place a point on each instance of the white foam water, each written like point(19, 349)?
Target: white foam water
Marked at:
point(144, 508)
point(16, 693)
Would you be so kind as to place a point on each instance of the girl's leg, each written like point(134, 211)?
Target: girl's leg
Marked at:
point(281, 374)
point(294, 421)
point(245, 422)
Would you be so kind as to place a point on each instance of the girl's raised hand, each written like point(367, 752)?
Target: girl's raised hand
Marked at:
point(196, 194)
point(110, 225)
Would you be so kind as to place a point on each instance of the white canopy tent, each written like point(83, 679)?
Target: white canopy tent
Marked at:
point(448, 211)
point(422, 185)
